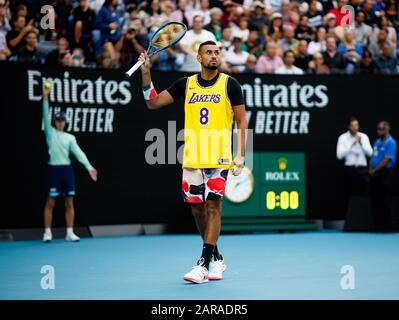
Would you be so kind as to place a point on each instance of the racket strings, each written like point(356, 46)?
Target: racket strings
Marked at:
point(168, 35)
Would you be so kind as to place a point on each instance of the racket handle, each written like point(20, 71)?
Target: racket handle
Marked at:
point(134, 68)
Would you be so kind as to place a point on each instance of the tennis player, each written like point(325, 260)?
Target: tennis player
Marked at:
point(212, 99)
point(61, 179)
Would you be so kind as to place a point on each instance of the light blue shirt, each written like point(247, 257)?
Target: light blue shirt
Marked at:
point(384, 149)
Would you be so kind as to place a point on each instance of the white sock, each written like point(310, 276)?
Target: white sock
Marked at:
point(47, 230)
point(69, 231)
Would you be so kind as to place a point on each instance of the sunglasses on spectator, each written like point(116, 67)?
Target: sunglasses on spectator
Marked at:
point(381, 129)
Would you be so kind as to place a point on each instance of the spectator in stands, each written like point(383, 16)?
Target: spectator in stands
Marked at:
point(255, 44)
point(375, 46)
point(289, 15)
point(361, 31)
point(107, 62)
point(288, 67)
point(276, 5)
point(385, 24)
point(229, 15)
point(241, 30)
point(235, 58)
point(4, 23)
point(16, 37)
point(250, 66)
point(29, 53)
point(331, 23)
point(65, 59)
point(332, 58)
point(154, 16)
point(386, 63)
point(63, 9)
point(258, 19)
point(4, 28)
point(326, 5)
point(84, 19)
point(317, 65)
point(391, 12)
point(288, 42)
point(165, 60)
point(303, 31)
point(367, 64)
point(339, 13)
point(270, 61)
point(203, 11)
point(108, 22)
point(225, 42)
point(158, 18)
point(351, 50)
point(275, 30)
point(190, 43)
point(21, 11)
point(97, 26)
point(370, 16)
point(54, 57)
point(180, 14)
point(214, 25)
point(315, 15)
point(4, 51)
point(77, 58)
point(319, 42)
point(133, 43)
point(302, 59)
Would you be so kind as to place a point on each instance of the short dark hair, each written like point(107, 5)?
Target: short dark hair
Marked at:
point(209, 42)
point(287, 52)
point(351, 119)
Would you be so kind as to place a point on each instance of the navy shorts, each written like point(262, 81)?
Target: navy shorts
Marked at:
point(61, 181)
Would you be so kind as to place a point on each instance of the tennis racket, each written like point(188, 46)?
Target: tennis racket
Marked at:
point(167, 35)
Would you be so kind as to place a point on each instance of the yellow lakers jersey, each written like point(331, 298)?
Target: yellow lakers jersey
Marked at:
point(208, 124)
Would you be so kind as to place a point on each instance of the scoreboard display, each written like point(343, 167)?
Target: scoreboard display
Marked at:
point(269, 191)
point(282, 184)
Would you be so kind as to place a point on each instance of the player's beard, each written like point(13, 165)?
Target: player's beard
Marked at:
point(212, 66)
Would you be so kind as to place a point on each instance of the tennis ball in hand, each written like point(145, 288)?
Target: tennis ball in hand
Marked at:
point(47, 85)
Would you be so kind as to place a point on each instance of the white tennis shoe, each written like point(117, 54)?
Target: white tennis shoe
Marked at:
point(198, 274)
point(72, 237)
point(216, 269)
point(47, 237)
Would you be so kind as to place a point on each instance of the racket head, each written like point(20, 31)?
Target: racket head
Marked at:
point(167, 35)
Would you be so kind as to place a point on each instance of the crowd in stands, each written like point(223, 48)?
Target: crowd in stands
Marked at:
point(270, 36)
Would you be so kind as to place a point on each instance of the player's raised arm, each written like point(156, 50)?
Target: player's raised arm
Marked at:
point(152, 99)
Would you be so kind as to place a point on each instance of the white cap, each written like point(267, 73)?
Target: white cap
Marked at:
point(258, 4)
point(331, 16)
point(276, 15)
point(215, 10)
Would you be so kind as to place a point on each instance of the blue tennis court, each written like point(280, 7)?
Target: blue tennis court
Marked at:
point(260, 266)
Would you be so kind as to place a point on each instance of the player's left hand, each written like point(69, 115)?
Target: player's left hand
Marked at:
point(236, 165)
point(93, 174)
